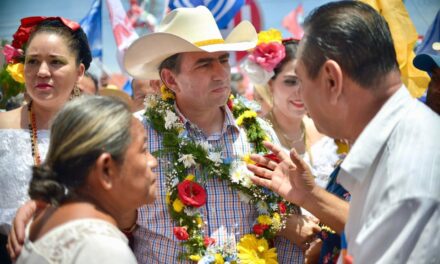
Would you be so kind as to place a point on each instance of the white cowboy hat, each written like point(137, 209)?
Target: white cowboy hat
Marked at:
point(184, 30)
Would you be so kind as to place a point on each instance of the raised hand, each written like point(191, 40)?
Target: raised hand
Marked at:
point(291, 177)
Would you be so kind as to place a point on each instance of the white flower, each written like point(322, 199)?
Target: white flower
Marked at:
point(170, 119)
point(236, 176)
point(174, 182)
point(191, 211)
point(150, 101)
point(262, 207)
point(256, 73)
point(244, 197)
point(215, 157)
point(187, 160)
point(205, 145)
point(274, 206)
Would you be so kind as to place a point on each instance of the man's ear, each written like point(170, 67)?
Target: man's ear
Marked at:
point(105, 170)
point(169, 79)
point(332, 79)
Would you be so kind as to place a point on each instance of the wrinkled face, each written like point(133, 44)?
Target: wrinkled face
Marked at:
point(136, 184)
point(87, 85)
point(286, 91)
point(203, 80)
point(313, 98)
point(50, 69)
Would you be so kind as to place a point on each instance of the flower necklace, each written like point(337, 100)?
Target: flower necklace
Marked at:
point(185, 195)
point(33, 134)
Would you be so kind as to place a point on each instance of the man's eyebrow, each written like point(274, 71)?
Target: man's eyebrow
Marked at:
point(207, 60)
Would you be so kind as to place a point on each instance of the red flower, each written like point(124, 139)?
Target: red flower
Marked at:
point(207, 241)
point(259, 229)
point(282, 207)
point(268, 55)
point(24, 30)
point(270, 156)
point(230, 104)
point(191, 193)
point(11, 53)
point(180, 233)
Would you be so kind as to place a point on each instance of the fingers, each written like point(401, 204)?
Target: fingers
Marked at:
point(13, 246)
point(277, 150)
point(297, 160)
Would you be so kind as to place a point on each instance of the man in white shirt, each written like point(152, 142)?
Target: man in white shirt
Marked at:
point(352, 89)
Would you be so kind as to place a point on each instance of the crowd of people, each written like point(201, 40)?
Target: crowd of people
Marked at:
point(342, 163)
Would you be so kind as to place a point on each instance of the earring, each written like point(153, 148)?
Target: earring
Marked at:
point(76, 92)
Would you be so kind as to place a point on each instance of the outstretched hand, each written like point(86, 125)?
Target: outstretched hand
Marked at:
point(291, 177)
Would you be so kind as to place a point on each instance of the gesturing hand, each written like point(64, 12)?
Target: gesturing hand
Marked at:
point(291, 177)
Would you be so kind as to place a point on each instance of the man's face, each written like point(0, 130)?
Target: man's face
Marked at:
point(310, 92)
point(203, 81)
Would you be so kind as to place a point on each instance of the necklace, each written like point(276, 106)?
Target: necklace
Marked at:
point(33, 134)
point(286, 138)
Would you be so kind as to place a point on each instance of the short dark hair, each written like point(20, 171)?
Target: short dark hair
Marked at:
point(76, 40)
point(354, 35)
point(171, 63)
point(291, 46)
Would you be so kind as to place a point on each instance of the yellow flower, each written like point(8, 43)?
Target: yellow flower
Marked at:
point(166, 93)
point(264, 219)
point(199, 222)
point(231, 97)
point(276, 222)
point(195, 257)
point(247, 158)
point(252, 250)
point(16, 71)
point(190, 177)
point(178, 205)
point(246, 115)
point(167, 198)
point(271, 35)
point(219, 259)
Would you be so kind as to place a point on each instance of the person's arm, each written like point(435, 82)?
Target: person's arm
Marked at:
point(22, 218)
point(291, 178)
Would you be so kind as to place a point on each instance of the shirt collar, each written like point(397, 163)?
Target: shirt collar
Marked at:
point(373, 138)
point(229, 120)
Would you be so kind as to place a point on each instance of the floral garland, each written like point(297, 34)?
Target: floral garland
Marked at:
point(268, 53)
point(185, 195)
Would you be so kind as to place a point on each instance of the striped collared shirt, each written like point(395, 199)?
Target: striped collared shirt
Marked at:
point(227, 217)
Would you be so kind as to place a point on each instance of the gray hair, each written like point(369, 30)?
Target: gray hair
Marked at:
point(84, 129)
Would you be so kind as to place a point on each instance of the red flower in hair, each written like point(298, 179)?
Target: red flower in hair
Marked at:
point(180, 233)
point(191, 193)
point(268, 55)
point(25, 28)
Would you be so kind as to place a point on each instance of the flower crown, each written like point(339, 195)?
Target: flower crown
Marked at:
point(14, 53)
point(262, 60)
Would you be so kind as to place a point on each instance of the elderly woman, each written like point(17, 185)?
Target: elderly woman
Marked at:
point(97, 172)
point(50, 55)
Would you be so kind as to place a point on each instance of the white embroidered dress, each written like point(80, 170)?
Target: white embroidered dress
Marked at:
point(16, 162)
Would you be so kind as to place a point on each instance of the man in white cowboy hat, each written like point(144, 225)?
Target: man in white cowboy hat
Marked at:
point(190, 56)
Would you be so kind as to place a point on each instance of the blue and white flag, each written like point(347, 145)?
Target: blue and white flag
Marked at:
point(431, 36)
point(92, 26)
point(222, 10)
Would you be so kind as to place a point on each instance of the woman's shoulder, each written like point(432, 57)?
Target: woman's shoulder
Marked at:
point(11, 119)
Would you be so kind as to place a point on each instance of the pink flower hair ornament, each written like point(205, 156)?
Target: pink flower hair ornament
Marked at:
point(265, 57)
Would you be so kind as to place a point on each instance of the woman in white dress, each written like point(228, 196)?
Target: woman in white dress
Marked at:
point(55, 56)
point(96, 174)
